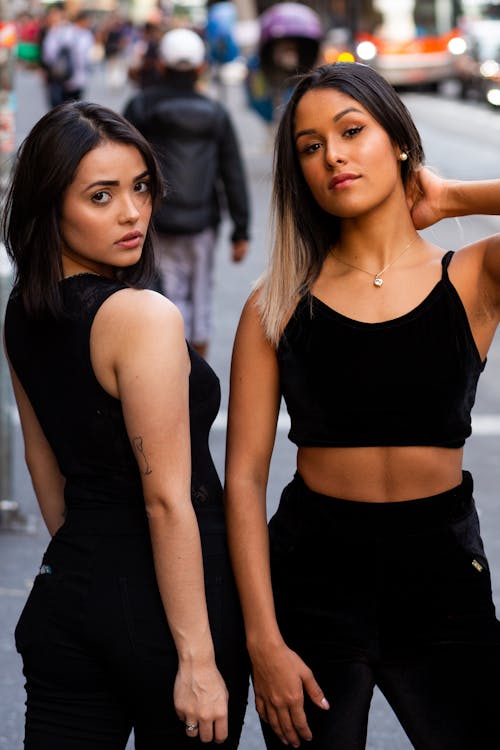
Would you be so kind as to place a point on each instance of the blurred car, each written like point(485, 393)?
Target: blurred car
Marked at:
point(424, 61)
point(478, 67)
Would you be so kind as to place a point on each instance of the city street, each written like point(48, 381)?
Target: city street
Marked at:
point(461, 139)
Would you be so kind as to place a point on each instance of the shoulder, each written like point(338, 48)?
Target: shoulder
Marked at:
point(483, 259)
point(251, 330)
point(132, 311)
point(467, 261)
point(222, 113)
point(203, 102)
point(251, 308)
point(134, 107)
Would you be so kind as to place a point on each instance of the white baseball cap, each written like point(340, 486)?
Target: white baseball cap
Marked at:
point(182, 49)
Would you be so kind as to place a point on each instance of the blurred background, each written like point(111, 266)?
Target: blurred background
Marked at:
point(443, 56)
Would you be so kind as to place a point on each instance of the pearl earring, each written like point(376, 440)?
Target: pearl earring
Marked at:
point(403, 156)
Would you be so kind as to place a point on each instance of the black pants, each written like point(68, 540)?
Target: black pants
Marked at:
point(396, 595)
point(98, 656)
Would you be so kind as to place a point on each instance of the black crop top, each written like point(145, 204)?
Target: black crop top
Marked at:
point(407, 381)
point(83, 423)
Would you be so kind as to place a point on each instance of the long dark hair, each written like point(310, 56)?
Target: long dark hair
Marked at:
point(304, 232)
point(45, 166)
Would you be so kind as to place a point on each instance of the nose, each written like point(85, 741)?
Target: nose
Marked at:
point(129, 211)
point(333, 154)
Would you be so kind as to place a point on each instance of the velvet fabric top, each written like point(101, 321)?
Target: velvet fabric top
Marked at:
point(407, 381)
point(84, 424)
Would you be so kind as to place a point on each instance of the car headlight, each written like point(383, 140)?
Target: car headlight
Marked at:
point(457, 45)
point(493, 97)
point(489, 68)
point(366, 51)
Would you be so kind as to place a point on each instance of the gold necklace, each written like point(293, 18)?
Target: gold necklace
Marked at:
point(377, 279)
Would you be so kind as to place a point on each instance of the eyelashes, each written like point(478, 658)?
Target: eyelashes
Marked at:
point(348, 134)
point(103, 197)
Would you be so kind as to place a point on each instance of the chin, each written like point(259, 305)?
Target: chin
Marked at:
point(129, 260)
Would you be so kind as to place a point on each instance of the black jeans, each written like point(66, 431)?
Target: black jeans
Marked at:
point(396, 595)
point(98, 655)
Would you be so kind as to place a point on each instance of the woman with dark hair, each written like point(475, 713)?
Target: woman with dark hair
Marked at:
point(372, 571)
point(134, 610)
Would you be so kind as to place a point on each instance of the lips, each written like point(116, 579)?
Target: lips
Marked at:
point(342, 180)
point(130, 236)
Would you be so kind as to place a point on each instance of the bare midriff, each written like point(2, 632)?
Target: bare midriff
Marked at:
point(380, 474)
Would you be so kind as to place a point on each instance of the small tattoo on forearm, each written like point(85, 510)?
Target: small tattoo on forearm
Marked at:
point(139, 447)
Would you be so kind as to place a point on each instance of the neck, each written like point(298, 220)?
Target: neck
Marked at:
point(72, 267)
point(373, 244)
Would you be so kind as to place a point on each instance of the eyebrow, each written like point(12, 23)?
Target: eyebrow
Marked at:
point(339, 115)
point(336, 118)
point(114, 183)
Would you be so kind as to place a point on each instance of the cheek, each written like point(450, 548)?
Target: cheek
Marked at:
point(312, 176)
point(83, 226)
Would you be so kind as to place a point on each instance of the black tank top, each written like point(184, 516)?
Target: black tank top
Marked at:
point(407, 381)
point(83, 424)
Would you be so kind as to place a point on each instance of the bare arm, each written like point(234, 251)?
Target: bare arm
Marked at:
point(48, 482)
point(436, 198)
point(138, 343)
point(439, 198)
point(280, 676)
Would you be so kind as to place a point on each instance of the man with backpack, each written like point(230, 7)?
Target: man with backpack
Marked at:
point(66, 57)
point(196, 144)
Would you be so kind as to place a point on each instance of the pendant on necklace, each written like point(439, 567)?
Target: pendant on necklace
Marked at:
point(377, 281)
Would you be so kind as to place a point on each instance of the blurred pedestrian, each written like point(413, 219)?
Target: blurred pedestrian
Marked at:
point(66, 57)
point(195, 141)
point(113, 34)
point(144, 65)
point(372, 571)
point(132, 615)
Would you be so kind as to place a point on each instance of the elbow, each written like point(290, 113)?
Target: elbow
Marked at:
point(156, 507)
point(240, 484)
point(161, 507)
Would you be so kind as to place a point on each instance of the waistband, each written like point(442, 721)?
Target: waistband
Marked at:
point(420, 513)
point(116, 518)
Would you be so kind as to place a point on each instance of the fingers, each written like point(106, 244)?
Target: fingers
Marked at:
point(282, 727)
point(315, 693)
point(290, 725)
point(191, 727)
point(220, 729)
point(289, 720)
point(207, 730)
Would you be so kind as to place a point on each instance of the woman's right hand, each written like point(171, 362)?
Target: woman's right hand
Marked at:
point(280, 678)
point(200, 700)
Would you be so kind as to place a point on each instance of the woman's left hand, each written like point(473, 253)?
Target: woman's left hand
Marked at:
point(426, 197)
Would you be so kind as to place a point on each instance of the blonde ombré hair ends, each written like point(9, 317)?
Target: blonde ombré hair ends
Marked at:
point(286, 275)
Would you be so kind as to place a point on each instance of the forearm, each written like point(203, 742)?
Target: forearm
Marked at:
point(179, 572)
point(463, 198)
point(249, 548)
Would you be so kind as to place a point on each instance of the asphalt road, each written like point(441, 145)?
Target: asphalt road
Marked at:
point(461, 140)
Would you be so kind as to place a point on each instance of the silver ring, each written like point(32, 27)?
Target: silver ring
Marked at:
point(191, 727)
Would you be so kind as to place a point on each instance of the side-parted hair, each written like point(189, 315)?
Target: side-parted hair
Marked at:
point(44, 167)
point(303, 231)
